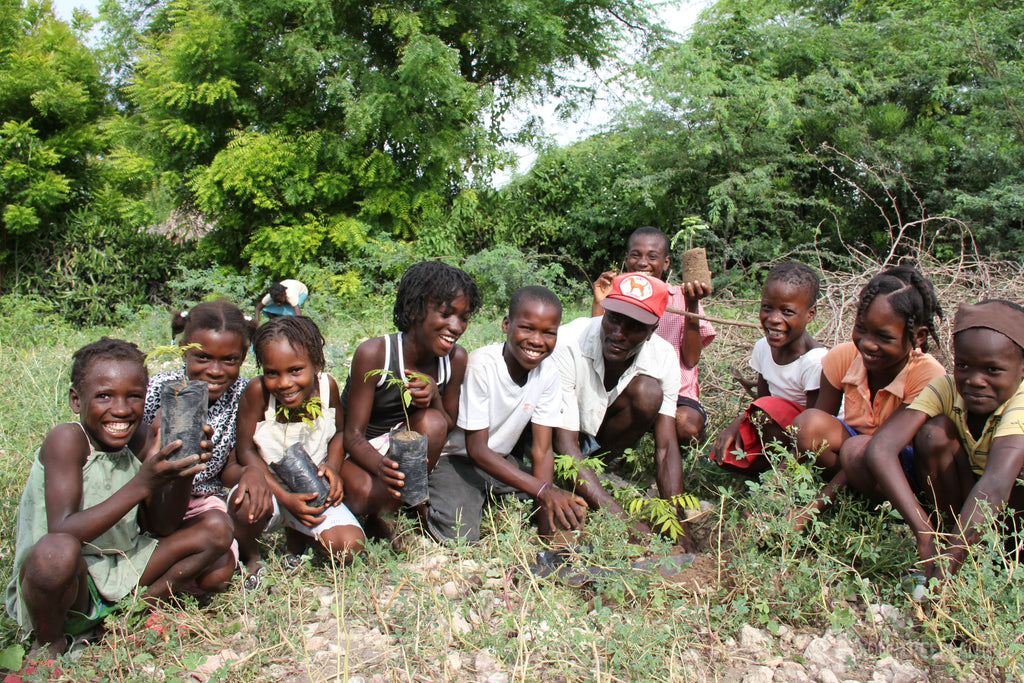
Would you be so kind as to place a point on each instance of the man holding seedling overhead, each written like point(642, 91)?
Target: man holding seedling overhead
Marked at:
point(618, 382)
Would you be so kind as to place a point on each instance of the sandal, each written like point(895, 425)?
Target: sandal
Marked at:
point(293, 563)
point(254, 581)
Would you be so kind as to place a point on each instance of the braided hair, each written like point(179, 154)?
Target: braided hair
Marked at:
point(104, 349)
point(219, 315)
point(911, 295)
point(299, 331)
point(431, 282)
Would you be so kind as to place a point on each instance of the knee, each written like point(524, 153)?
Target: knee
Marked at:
point(645, 396)
point(215, 531)
point(853, 453)
point(430, 422)
point(344, 542)
point(52, 562)
point(689, 424)
point(810, 427)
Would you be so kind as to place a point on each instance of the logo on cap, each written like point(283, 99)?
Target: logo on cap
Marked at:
point(638, 296)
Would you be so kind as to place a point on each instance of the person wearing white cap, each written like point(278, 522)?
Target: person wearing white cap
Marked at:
point(618, 382)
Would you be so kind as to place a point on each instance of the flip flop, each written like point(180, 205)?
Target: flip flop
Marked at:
point(293, 563)
point(254, 581)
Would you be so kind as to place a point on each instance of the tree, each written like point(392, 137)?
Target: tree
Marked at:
point(303, 127)
point(51, 99)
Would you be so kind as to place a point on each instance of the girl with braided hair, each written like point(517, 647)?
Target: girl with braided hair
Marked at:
point(873, 377)
point(432, 308)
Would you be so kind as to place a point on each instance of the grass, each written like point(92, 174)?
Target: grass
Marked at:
point(473, 613)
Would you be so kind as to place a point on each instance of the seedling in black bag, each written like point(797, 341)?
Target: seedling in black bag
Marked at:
point(183, 405)
point(407, 447)
point(296, 468)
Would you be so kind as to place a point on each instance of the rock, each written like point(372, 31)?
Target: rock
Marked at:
point(801, 641)
point(908, 673)
point(759, 674)
point(452, 663)
point(752, 639)
point(484, 663)
point(785, 633)
point(450, 590)
point(497, 677)
point(829, 652)
point(827, 676)
point(791, 672)
point(460, 625)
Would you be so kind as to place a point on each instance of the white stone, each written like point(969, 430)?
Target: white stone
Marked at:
point(450, 590)
point(827, 676)
point(759, 674)
point(460, 625)
point(752, 639)
point(801, 641)
point(791, 672)
point(452, 662)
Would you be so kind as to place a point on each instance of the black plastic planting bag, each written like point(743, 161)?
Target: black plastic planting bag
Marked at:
point(298, 473)
point(411, 456)
point(182, 415)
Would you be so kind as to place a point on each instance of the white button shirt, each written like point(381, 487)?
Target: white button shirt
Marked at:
point(580, 361)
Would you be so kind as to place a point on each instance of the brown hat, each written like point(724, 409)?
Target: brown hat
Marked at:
point(1001, 316)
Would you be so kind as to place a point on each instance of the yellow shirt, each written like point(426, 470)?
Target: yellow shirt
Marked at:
point(940, 397)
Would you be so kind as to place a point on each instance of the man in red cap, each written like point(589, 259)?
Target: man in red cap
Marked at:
point(619, 381)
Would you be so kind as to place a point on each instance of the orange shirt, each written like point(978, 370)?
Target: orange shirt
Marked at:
point(844, 369)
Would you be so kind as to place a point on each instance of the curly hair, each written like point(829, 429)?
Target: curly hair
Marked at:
point(797, 275)
point(219, 315)
point(431, 282)
point(299, 331)
point(912, 297)
point(105, 348)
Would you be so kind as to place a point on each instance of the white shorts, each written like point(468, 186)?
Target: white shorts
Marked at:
point(337, 515)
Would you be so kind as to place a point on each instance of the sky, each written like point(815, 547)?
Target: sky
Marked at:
point(677, 15)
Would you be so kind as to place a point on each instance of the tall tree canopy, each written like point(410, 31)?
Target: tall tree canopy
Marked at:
point(301, 127)
point(780, 122)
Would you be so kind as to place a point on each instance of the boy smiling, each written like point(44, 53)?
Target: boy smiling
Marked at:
point(508, 387)
point(968, 435)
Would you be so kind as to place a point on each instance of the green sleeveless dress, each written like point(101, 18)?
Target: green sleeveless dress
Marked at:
point(116, 558)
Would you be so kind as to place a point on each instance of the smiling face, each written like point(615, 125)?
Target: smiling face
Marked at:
point(622, 336)
point(110, 400)
point(647, 254)
point(987, 369)
point(219, 360)
point(288, 373)
point(786, 308)
point(530, 336)
point(442, 325)
point(882, 339)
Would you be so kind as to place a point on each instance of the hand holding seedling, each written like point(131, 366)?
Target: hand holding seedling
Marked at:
point(422, 390)
point(298, 505)
point(392, 477)
point(695, 291)
point(334, 483)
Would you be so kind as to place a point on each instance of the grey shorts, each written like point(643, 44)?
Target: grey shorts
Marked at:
point(458, 492)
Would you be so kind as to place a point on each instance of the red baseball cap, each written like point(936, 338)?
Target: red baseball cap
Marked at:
point(638, 296)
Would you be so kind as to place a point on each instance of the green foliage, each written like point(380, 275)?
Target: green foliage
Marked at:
point(402, 385)
point(176, 351)
point(306, 129)
point(310, 410)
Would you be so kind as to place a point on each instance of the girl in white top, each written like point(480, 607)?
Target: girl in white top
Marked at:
point(788, 362)
point(294, 401)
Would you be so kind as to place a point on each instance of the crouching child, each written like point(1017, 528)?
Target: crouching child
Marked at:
point(968, 435)
point(81, 546)
point(508, 388)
